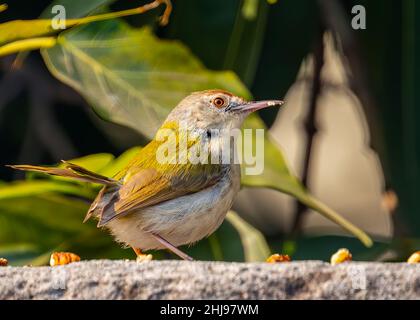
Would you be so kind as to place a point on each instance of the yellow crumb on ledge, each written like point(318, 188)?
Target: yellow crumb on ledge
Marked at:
point(274, 258)
point(341, 256)
point(414, 258)
point(144, 258)
point(62, 258)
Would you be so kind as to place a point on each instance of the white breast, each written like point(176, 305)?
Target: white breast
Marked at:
point(183, 220)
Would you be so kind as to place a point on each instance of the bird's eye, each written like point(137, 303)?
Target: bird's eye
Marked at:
point(219, 102)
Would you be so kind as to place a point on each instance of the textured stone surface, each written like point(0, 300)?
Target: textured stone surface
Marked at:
point(104, 279)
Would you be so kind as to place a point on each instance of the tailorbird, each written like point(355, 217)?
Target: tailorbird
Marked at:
point(155, 204)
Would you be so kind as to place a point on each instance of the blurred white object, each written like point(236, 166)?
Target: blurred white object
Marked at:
point(345, 173)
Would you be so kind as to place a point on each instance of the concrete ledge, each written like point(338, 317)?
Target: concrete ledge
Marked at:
point(106, 279)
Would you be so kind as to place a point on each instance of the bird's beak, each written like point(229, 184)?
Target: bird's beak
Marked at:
point(256, 105)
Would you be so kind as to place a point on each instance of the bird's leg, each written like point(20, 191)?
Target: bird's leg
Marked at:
point(171, 247)
point(141, 257)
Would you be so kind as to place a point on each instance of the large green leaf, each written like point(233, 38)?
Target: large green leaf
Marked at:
point(34, 226)
point(94, 162)
point(74, 9)
point(133, 78)
point(22, 46)
point(24, 29)
point(14, 33)
point(119, 163)
point(20, 189)
point(130, 76)
point(43, 220)
point(253, 241)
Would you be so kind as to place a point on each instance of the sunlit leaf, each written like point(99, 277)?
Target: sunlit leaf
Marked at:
point(74, 9)
point(35, 187)
point(130, 76)
point(27, 44)
point(119, 163)
point(94, 162)
point(253, 242)
point(24, 29)
point(50, 223)
point(53, 210)
point(44, 221)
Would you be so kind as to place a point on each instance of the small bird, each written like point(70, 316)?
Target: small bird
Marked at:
point(154, 205)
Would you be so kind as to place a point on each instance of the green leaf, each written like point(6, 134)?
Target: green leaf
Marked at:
point(119, 163)
point(27, 44)
point(94, 162)
point(24, 29)
point(44, 221)
point(133, 78)
point(130, 76)
point(20, 189)
point(253, 242)
point(50, 223)
point(52, 210)
point(74, 9)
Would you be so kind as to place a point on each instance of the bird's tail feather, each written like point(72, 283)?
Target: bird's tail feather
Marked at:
point(102, 206)
point(70, 170)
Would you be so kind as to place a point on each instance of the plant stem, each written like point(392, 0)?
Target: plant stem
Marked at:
point(310, 125)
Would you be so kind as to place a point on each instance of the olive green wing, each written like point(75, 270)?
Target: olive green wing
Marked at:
point(144, 187)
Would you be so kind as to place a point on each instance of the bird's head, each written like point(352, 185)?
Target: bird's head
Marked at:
point(215, 109)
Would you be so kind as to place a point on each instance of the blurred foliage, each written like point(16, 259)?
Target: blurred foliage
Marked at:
point(394, 75)
point(131, 87)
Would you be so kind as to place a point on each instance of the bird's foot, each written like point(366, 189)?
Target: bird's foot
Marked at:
point(142, 257)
